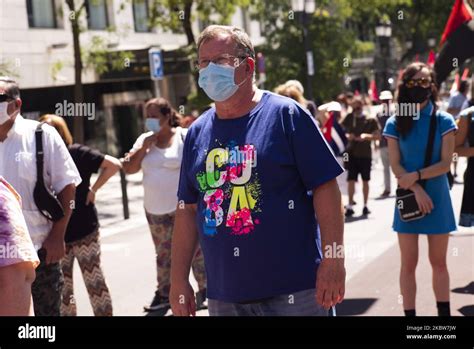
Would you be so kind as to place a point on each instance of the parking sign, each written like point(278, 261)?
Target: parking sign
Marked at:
point(156, 64)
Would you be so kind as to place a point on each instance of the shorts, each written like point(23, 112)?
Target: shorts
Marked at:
point(358, 165)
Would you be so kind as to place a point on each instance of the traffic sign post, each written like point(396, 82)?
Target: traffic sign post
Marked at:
point(155, 59)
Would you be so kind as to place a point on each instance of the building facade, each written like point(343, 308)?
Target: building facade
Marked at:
point(36, 48)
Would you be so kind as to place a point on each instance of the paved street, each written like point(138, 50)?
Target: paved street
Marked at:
point(372, 257)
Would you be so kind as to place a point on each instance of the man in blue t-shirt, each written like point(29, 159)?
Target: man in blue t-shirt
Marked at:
point(256, 172)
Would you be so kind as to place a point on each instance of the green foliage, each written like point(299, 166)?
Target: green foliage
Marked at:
point(170, 14)
point(334, 29)
point(56, 68)
point(284, 52)
point(8, 68)
point(101, 59)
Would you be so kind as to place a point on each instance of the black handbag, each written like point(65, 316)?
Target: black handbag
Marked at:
point(47, 203)
point(406, 202)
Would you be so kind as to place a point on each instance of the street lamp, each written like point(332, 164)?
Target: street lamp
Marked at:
point(306, 7)
point(431, 42)
point(383, 31)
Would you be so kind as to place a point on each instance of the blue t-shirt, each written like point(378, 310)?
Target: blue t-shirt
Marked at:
point(250, 178)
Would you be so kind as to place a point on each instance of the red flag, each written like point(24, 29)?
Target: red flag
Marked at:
point(465, 74)
point(455, 86)
point(373, 89)
point(459, 14)
point(327, 128)
point(431, 58)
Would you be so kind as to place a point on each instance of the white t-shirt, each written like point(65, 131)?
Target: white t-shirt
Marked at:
point(161, 169)
point(18, 167)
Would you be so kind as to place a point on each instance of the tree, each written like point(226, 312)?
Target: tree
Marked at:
point(75, 12)
point(413, 21)
point(341, 30)
point(96, 57)
point(177, 16)
point(284, 54)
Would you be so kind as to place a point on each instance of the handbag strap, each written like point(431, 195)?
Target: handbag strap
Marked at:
point(39, 153)
point(431, 137)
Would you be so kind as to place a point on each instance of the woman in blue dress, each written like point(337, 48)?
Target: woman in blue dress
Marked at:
point(407, 137)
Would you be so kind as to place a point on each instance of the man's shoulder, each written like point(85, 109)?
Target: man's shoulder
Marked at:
point(200, 122)
point(274, 100)
point(27, 124)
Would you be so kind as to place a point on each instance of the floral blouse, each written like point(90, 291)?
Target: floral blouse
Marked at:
point(15, 242)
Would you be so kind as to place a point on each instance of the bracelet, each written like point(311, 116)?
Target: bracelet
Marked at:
point(91, 190)
point(419, 174)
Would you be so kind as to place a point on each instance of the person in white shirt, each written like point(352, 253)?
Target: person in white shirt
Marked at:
point(18, 167)
point(159, 153)
point(457, 100)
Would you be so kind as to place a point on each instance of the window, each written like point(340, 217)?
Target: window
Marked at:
point(41, 14)
point(140, 16)
point(97, 14)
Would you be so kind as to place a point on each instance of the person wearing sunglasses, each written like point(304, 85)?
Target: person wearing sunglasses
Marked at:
point(60, 175)
point(408, 134)
point(158, 152)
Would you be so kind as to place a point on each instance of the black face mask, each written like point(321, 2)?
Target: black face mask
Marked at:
point(419, 94)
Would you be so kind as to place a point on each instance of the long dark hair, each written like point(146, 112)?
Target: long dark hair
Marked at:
point(405, 122)
point(166, 109)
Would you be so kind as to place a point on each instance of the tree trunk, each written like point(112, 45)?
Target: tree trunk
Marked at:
point(187, 22)
point(78, 121)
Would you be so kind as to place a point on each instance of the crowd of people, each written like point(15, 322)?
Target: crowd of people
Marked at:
point(240, 197)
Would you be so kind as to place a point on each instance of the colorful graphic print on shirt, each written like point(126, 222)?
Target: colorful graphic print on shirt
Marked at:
point(230, 181)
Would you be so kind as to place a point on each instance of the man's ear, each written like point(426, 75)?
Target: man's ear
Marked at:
point(18, 103)
point(250, 65)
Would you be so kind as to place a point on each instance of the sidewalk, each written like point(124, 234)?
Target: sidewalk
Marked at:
point(372, 286)
point(110, 207)
point(372, 257)
point(374, 291)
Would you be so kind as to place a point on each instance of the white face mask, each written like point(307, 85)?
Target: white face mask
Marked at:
point(4, 117)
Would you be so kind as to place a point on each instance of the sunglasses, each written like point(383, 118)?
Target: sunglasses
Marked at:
point(424, 82)
point(5, 98)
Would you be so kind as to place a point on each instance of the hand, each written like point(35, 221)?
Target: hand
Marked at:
point(149, 141)
point(182, 299)
point(423, 200)
point(90, 199)
point(55, 248)
point(330, 282)
point(407, 180)
point(350, 137)
point(365, 137)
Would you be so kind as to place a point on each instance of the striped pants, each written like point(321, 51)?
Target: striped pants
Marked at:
point(161, 228)
point(87, 252)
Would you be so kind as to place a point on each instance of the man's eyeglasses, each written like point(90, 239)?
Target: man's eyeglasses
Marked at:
point(224, 59)
point(424, 82)
point(5, 98)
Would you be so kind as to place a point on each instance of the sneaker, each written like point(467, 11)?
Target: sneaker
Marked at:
point(385, 194)
point(159, 303)
point(365, 211)
point(349, 212)
point(201, 299)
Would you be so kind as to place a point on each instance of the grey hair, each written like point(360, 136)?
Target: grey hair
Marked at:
point(244, 45)
point(11, 87)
